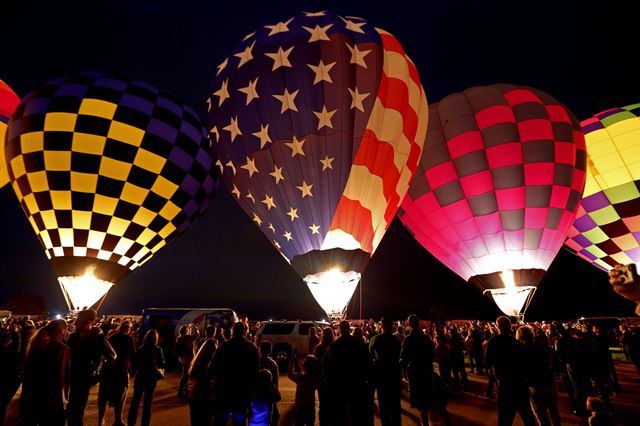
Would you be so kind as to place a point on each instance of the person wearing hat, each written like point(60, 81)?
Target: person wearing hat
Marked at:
point(89, 350)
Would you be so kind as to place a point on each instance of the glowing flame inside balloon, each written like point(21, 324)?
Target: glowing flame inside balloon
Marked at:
point(508, 280)
point(84, 290)
point(512, 299)
point(333, 290)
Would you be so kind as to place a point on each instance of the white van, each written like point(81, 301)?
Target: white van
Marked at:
point(287, 337)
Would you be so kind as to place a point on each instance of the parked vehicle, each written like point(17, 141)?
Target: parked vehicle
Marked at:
point(167, 322)
point(286, 338)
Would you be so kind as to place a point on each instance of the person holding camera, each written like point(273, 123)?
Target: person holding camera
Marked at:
point(625, 282)
point(306, 385)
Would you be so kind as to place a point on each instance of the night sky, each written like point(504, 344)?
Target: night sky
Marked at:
point(581, 52)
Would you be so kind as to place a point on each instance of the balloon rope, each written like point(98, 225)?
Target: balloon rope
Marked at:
point(360, 283)
point(101, 302)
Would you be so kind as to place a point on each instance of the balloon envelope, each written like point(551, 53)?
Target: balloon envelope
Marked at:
point(606, 231)
point(8, 103)
point(318, 123)
point(107, 171)
point(498, 185)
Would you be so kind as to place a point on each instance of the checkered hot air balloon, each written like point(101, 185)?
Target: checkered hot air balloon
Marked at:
point(606, 231)
point(107, 171)
point(8, 103)
point(318, 123)
point(498, 187)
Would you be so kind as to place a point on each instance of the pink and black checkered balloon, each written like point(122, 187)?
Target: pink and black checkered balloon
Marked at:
point(499, 182)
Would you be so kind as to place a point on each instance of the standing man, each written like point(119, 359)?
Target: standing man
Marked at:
point(476, 349)
point(416, 357)
point(114, 380)
point(387, 374)
point(504, 356)
point(235, 369)
point(346, 371)
point(89, 350)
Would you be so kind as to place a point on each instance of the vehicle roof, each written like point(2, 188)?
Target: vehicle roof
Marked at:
point(187, 309)
point(599, 319)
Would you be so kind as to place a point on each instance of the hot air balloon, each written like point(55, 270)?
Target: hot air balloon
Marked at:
point(8, 103)
point(498, 186)
point(107, 171)
point(318, 123)
point(606, 231)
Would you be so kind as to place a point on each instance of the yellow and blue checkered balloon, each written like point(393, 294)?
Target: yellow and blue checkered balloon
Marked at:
point(107, 171)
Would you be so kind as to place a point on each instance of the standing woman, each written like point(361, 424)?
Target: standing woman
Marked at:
point(326, 338)
point(146, 364)
point(45, 381)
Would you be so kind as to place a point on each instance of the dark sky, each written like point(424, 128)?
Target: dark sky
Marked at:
point(582, 52)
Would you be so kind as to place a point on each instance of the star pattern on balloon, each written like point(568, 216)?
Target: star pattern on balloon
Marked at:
point(321, 72)
point(290, 91)
point(250, 90)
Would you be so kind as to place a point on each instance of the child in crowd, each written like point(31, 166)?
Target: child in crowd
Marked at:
point(306, 384)
point(265, 395)
point(599, 415)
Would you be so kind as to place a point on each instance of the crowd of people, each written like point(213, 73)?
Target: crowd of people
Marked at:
point(229, 375)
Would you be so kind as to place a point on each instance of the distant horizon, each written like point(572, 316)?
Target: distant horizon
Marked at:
point(562, 48)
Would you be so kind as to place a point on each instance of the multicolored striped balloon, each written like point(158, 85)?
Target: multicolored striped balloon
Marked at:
point(499, 183)
point(318, 123)
point(606, 231)
point(8, 103)
point(107, 171)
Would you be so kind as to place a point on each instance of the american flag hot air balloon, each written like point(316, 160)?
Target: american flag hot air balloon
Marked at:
point(498, 187)
point(318, 123)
